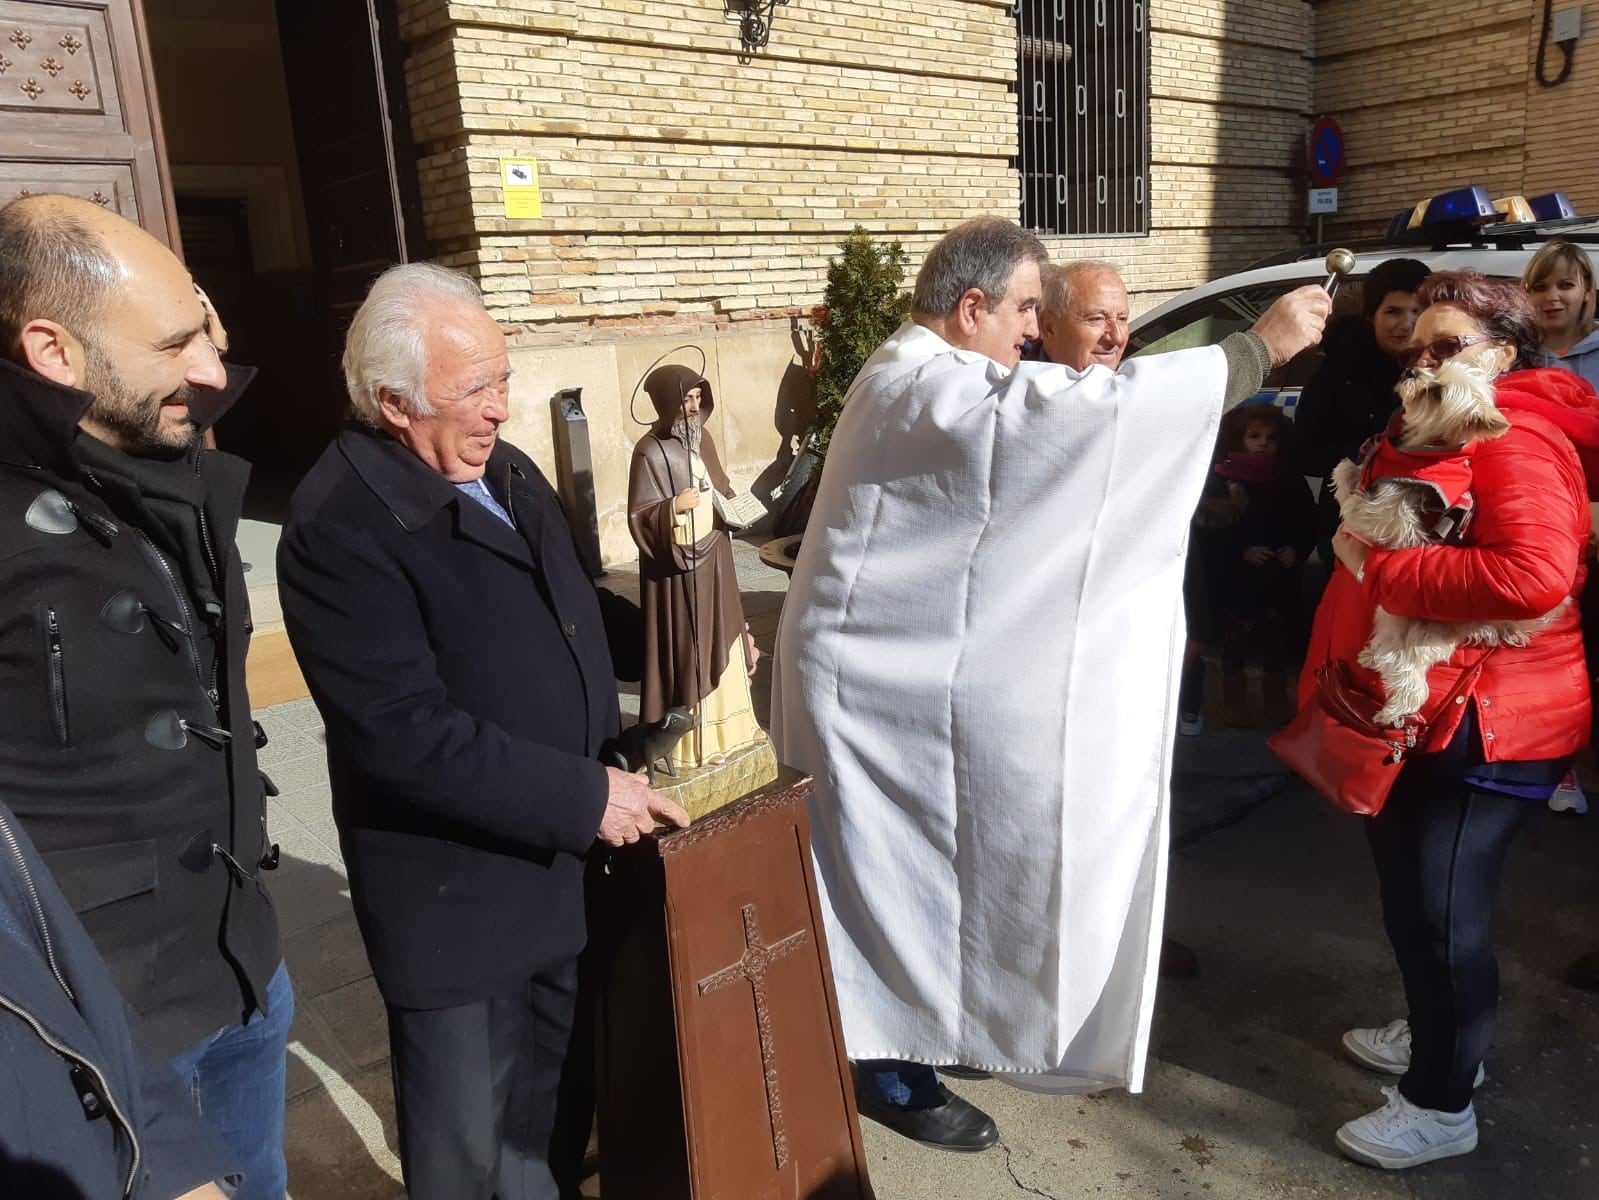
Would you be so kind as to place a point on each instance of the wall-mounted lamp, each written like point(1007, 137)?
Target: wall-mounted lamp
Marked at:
point(754, 20)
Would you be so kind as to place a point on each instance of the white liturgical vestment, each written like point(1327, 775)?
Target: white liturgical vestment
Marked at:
point(978, 661)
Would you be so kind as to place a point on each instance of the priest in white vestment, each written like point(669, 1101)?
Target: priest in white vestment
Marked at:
point(978, 663)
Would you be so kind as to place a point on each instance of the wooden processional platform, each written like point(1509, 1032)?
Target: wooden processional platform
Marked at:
point(722, 1073)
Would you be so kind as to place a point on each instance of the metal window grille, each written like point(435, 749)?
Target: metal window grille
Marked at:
point(1082, 83)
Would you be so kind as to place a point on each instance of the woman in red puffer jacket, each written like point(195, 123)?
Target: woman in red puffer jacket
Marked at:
point(1505, 740)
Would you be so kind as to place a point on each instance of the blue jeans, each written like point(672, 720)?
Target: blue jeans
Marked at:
point(900, 1084)
point(237, 1080)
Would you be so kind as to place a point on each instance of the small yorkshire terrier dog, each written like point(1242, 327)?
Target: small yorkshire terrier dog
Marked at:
point(1448, 406)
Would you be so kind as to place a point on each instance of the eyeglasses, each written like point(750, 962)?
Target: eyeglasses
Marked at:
point(1441, 349)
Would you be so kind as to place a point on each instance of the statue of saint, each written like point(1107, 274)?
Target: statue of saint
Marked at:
point(697, 651)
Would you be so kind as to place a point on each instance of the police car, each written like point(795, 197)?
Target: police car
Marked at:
point(1449, 232)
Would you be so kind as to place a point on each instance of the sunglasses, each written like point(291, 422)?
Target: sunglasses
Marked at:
point(1441, 349)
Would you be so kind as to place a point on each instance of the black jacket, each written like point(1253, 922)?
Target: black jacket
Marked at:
point(1348, 399)
point(79, 1116)
point(114, 755)
point(1233, 516)
point(462, 669)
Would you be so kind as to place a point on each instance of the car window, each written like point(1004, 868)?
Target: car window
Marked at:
point(1206, 322)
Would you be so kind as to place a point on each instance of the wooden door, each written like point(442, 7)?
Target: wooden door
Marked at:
point(343, 62)
point(78, 110)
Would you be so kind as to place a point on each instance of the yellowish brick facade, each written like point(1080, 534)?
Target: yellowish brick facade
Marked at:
point(692, 195)
point(1431, 97)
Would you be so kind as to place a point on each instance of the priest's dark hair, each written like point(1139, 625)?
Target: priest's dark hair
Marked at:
point(53, 267)
point(983, 254)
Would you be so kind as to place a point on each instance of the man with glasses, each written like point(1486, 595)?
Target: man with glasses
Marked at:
point(463, 664)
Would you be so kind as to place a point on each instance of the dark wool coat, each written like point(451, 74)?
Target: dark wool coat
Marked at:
point(463, 670)
point(113, 753)
point(692, 608)
point(75, 1100)
point(1348, 399)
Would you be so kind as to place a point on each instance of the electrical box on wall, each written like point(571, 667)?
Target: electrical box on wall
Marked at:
point(1567, 25)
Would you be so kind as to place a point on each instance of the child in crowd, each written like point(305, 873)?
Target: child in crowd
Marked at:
point(1255, 524)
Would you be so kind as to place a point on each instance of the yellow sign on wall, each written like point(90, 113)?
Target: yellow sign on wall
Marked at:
point(520, 178)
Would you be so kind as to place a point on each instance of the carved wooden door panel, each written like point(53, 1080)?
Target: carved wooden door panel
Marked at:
point(78, 110)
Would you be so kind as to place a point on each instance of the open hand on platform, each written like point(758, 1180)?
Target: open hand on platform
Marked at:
point(632, 809)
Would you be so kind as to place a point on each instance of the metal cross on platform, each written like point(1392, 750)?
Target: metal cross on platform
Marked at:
point(757, 958)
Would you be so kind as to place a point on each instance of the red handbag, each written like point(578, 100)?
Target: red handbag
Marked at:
point(1333, 745)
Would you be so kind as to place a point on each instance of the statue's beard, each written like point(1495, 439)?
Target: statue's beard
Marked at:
point(687, 430)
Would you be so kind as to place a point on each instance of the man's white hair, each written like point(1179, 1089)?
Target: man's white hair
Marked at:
point(387, 345)
point(1057, 297)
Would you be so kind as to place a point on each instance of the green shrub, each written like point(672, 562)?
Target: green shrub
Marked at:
point(863, 304)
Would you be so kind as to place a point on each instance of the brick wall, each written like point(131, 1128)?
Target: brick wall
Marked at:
point(691, 197)
point(686, 188)
point(1431, 98)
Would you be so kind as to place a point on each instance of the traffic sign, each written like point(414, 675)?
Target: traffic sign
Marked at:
point(1323, 200)
point(1326, 152)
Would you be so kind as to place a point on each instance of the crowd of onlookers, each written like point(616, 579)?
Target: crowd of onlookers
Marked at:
point(1262, 533)
point(1475, 397)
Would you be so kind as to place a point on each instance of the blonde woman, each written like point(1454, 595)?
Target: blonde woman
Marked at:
point(1560, 281)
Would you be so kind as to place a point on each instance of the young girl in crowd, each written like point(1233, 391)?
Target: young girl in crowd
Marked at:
point(1255, 524)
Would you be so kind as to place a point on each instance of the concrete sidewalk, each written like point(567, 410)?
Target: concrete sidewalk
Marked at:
point(1272, 888)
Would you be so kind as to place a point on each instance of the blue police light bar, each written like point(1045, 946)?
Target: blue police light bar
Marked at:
point(1399, 226)
point(1551, 206)
point(1467, 205)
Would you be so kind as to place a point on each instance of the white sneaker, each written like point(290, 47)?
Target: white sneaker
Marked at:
point(1568, 796)
point(1401, 1134)
point(1388, 1049)
point(1191, 724)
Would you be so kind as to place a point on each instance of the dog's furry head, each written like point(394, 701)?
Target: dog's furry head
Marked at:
point(1448, 406)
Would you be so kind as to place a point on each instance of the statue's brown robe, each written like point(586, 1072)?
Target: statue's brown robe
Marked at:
point(692, 610)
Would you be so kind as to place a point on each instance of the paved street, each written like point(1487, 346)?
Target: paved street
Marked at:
point(1272, 889)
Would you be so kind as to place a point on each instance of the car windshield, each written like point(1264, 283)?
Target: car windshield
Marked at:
point(1208, 321)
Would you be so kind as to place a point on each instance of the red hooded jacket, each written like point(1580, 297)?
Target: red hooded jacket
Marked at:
point(1523, 553)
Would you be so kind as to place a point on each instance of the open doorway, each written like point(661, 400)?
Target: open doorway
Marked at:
point(291, 193)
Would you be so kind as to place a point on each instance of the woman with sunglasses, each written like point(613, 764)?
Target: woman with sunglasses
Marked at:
point(1440, 841)
point(1560, 281)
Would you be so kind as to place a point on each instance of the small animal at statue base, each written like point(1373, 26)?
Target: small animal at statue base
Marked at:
point(642, 746)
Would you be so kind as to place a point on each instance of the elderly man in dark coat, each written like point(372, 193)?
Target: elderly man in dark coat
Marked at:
point(697, 651)
point(462, 662)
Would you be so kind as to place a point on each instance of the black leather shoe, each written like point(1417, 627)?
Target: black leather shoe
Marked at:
point(1584, 973)
point(953, 1125)
point(965, 1073)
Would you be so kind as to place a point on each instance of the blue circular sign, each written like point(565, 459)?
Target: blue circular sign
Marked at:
point(1326, 152)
